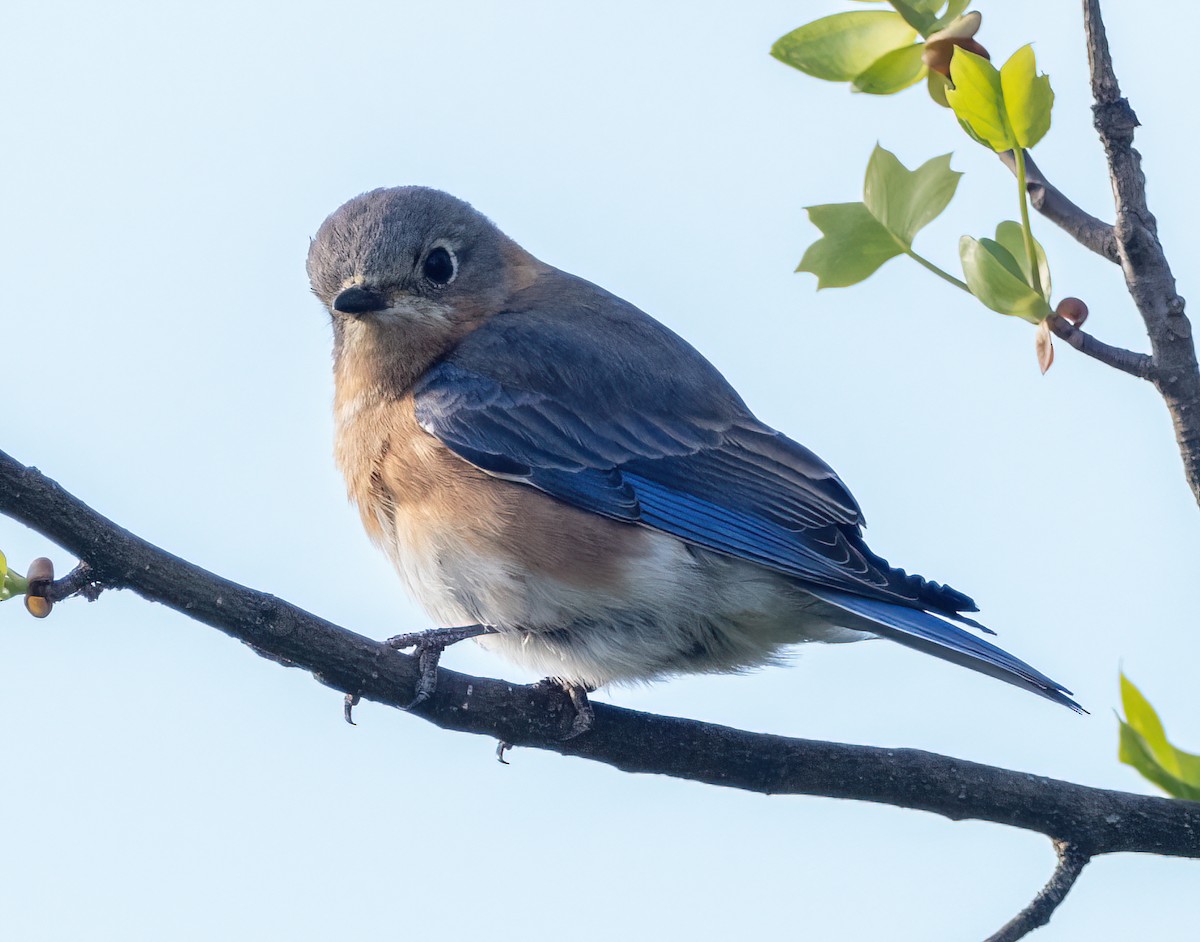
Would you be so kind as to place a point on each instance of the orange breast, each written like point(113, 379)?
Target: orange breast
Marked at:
point(410, 487)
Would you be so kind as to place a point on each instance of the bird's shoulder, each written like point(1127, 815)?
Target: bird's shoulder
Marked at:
point(569, 339)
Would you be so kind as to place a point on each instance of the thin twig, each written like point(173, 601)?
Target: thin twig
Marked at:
point(540, 716)
point(1140, 365)
point(1086, 229)
point(79, 581)
point(1071, 861)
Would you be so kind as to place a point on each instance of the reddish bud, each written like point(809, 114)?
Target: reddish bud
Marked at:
point(973, 46)
point(937, 56)
point(1073, 310)
point(962, 27)
point(40, 575)
point(939, 47)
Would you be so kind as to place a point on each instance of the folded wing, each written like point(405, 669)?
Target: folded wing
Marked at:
point(607, 410)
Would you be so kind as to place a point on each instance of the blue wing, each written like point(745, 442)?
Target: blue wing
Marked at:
point(612, 413)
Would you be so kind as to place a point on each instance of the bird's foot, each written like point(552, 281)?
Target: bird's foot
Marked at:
point(428, 646)
point(585, 716)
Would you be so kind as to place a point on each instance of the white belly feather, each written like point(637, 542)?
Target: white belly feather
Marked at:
point(674, 609)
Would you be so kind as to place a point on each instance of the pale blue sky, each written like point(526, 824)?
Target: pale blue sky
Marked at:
point(165, 168)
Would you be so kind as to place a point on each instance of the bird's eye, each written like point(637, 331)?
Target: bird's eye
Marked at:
point(440, 266)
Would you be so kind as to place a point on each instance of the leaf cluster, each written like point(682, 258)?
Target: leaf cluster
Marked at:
point(1005, 109)
point(876, 51)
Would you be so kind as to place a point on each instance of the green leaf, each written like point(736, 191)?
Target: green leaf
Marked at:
point(1134, 750)
point(1028, 97)
point(953, 12)
point(841, 47)
point(996, 279)
point(892, 72)
point(1141, 715)
point(905, 201)
point(1004, 257)
point(1144, 721)
point(978, 100)
point(919, 14)
point(938, 84)
point(853, 245)
point(924, 12)
point(1003, 108)
point(897, 204)
point(1012, 237)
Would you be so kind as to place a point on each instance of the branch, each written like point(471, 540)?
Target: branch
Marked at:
point(1135, 364)
point(1096, 821)
point(1091, 233)
point(1071, 862)
point(1086, 229)
point(1147, 273)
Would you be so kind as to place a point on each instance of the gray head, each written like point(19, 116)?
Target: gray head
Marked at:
point(409, 251)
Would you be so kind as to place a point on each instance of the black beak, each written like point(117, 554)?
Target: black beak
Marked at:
point(359, 300)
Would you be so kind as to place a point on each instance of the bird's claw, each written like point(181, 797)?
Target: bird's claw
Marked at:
point(428, 655)
point(585, 716)
point(429, 646)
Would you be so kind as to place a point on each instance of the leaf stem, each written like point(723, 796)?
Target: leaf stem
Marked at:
point(944, 275)
point(13, 584)
point(1026, 230)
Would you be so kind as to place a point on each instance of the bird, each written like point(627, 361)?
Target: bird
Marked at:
point(563, 478)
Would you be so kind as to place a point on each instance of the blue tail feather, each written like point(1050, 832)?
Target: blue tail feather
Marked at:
point(936, 635)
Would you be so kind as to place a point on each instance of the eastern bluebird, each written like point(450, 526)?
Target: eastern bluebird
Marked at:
point(556, 472)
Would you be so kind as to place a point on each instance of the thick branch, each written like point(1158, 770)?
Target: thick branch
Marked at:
point(1147, 273)
point(1086, 229)
point(1095, 820)
point(1071, 862)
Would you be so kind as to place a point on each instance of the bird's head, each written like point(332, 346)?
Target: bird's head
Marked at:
point(406, 270)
